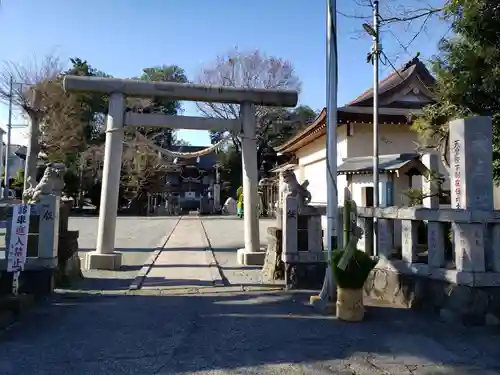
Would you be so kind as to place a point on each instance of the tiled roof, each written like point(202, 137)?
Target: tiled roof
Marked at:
point(387, 163)
point(396, 79)
point(358, 110)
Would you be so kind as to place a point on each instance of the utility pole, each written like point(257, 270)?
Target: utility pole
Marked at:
point(7, 148)
point(373, 30)
point(376, 52)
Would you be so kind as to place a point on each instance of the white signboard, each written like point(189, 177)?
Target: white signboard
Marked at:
point(18, 245)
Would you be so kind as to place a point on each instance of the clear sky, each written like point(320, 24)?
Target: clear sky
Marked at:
point(121, 37)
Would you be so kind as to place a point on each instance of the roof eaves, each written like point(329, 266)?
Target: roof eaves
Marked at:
point(314, 127)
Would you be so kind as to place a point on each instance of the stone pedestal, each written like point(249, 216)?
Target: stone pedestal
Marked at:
point(303, 253)
point(98, 261)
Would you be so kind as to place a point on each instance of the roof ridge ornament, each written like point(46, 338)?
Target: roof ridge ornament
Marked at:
point(412, 62)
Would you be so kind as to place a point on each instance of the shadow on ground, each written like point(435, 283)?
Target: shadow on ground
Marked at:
point(231, 217)
point(92, 283)
point(264, 333)
point(121, 250)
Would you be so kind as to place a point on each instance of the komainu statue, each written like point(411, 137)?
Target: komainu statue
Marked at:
point(294, 189)
point(52, 182)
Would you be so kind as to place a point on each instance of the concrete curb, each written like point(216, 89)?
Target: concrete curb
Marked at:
point(215, 272)
point(141, 276)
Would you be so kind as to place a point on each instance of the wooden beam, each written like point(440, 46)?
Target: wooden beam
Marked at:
point(180, 122)
point(181, 91)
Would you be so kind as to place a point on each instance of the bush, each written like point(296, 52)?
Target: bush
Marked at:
point(356, 272)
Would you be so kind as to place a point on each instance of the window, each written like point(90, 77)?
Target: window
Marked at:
point(350, 129)
point(367, 196)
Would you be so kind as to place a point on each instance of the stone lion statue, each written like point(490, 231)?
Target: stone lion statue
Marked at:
point(294, 189)
point(52, 182)
point(229, 207)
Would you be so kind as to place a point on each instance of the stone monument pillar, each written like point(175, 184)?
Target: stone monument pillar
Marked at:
point(216, 197)
point(471, 175)
point(279, 209)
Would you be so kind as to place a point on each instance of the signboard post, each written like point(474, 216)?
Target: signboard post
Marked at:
point(18, 244)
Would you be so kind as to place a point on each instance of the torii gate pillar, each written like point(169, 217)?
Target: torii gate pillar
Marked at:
point(105, 257)
point(250, 178)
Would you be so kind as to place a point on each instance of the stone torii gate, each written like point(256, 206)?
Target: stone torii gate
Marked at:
point(104, 257)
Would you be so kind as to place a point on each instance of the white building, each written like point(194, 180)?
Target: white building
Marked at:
point(401, 93)
point(17, 157)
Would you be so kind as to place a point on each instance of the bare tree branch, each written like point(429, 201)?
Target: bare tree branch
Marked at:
point(25, 76)
point(246, 70)
point(404, 21)
point(412, 15)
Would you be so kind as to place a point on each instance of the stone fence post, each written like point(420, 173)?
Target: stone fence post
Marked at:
point(435, 230)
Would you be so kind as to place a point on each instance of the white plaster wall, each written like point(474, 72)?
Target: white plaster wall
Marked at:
point(317, 150)
point(312, 166)
point(358, 182)
point(444, 172)
point(394, 139)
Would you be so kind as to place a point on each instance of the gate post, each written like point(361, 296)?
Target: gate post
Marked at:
point(104, 257)
point(250, 177)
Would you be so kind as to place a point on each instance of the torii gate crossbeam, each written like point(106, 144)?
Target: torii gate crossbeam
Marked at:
point(105, 257)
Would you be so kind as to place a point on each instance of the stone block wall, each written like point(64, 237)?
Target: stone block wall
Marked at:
point(452, 303)
point(274, 268)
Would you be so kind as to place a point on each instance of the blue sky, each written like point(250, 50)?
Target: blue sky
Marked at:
point(121, 37)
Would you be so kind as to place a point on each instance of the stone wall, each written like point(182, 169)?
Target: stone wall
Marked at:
point(274, 268)
point(451, 302)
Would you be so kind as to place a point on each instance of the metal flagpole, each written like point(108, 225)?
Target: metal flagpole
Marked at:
point(328, 290)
